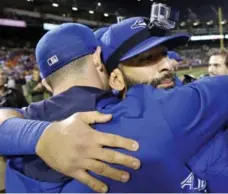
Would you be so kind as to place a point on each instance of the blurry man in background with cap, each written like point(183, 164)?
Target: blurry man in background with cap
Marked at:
point(74, 147)
point(175, 59)
point(174, 141)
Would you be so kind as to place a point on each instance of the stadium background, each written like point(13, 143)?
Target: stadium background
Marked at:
point(23, 22)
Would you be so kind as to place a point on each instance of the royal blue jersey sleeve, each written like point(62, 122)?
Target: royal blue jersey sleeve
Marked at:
point(20, 136)
point(196, 112)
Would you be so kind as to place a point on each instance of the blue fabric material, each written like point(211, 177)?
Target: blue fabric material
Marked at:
point(99, 32)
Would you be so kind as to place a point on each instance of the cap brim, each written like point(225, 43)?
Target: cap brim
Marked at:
point(179, 59)
point(171, 42)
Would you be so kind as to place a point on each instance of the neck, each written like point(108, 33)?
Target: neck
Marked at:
point(66, 86)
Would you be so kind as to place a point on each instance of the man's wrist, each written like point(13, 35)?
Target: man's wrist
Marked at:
point(20, 136)
point(44, 140)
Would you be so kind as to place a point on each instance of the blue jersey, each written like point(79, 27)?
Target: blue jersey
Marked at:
point(211, 163)
point(171, 127)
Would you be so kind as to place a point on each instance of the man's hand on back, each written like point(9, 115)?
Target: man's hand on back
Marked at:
point(72, 147)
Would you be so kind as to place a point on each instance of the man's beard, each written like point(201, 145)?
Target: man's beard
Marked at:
point(155, 82)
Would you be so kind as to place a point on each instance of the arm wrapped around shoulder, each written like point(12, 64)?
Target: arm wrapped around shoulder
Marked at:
point(20, 136)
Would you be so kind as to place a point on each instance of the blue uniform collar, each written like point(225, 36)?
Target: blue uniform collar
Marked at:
point(75, 99)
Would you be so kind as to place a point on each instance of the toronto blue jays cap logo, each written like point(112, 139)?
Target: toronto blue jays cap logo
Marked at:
point(140, 23)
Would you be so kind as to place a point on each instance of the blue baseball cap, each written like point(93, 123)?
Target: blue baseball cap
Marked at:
point(174, 55)
point(99, 32)
point(132, 37)
point(62, 45)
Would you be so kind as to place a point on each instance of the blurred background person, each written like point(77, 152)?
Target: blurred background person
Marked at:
point(35, 88)
point(175, 59)
point(9, 96)
point(11, 82)
point(218, 63)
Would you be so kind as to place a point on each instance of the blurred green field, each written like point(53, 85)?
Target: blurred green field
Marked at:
point(197, 72)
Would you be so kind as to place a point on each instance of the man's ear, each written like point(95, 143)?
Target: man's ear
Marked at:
point(46, 85)
point(116, 80)
point(97, 60)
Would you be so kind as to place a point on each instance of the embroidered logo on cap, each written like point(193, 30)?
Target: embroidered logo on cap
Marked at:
point(140, 23)
point(53, 60)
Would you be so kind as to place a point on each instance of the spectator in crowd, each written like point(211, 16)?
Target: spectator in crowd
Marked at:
point(18, 64)
point(35, 87)
point(28, 76)
point(11, 82)
point(218, 63)
point(20, 82)
point(10, 97)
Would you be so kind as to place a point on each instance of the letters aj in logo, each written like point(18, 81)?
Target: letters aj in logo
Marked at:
point(140, 23)
point(193, 184)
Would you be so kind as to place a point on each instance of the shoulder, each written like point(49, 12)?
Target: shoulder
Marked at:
point(35, 111)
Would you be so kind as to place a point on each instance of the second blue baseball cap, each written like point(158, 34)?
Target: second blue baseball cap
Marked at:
point(174, 55)
point(99, 32)
point(62, 45)
point(132, 37)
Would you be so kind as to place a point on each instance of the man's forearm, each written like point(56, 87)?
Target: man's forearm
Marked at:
point(19, 136)
point(203, 112)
